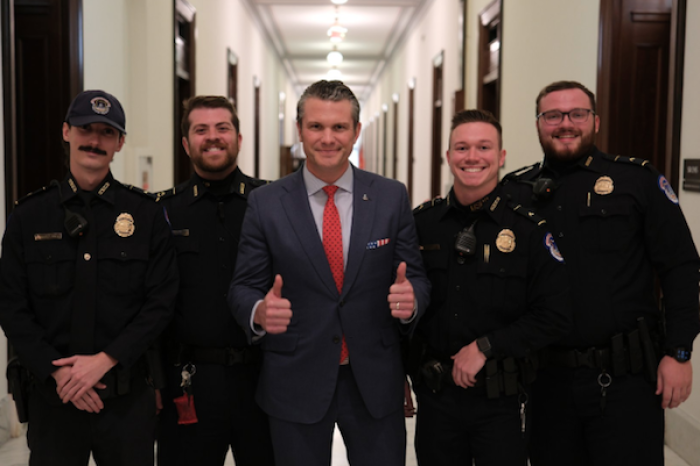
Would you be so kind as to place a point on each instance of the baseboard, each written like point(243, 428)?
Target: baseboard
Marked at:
point(682, 433)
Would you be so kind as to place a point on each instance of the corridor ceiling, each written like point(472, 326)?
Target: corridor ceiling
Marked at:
point(298, 31)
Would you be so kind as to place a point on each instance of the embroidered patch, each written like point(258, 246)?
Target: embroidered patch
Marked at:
point(553, 248)
point(665, 186)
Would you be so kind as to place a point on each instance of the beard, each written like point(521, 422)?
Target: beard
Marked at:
point(566, 153)
point(200, 161)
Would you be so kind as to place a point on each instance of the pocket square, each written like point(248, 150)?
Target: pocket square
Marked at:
point(378, 243)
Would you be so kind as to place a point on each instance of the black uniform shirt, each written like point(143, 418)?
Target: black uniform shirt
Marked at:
point(513, 289)
point(206, 219)
point(618, 222)
point(136, 280)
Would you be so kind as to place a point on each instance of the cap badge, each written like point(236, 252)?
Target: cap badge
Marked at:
point(505, 241)
point(124, 226)
point(100, 105)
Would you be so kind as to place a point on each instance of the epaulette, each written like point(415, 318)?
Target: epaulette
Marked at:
point(34, 193)
point(629, 160)
point(160, 195)
point(517, 174)
point(428, 204)
point(527, 213)
point(256, 183)
point(138, 190)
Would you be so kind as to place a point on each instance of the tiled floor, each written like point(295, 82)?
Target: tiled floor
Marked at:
point(15, 452)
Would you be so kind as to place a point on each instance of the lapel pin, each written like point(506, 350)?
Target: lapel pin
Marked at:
point(365, 198)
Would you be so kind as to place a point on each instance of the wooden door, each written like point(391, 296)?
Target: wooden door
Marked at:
point(42, 73)
point(637, 81)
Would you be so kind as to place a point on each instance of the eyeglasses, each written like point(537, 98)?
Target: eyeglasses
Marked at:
point(555, 117)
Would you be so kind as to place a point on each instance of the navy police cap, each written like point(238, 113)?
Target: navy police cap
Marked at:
point(96, 107)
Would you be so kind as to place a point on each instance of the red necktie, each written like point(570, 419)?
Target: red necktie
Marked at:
point(333, 245)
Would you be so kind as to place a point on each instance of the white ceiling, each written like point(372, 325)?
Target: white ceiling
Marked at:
point(298, 30)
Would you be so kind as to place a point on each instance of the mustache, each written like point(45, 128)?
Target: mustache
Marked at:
point(92, 149)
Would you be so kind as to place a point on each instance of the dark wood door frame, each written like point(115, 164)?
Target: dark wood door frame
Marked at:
point(436, 147)
point(395, 138)
point(610, 14)
point(409, 157)
point(58, 72)
point(256, 129)
point(184, 75)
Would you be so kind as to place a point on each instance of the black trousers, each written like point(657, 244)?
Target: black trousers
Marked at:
point(369, 441)
point(569, 427)
point(122, 433)
point(228, 417)
point(457, 426)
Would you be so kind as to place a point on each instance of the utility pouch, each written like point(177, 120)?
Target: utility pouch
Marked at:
point(617, 355)
point(510, 377)
point(493, 386)
point(433, 374)
point(18, 379)
point(154, 363)
point(650, 362)
point(635, 352)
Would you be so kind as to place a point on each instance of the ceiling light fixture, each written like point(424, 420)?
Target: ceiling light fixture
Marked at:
point(334, 74)
point(334, 57)
point(337, 32)
point(339, 2)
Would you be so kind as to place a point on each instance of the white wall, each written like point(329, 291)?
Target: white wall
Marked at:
point(543, 41)
point(683, 423)
point(129, 53)
point(223, 24)
point(436, 31)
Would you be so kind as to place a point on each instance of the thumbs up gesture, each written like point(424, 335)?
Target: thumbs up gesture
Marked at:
point(274, 313)
point(401, 299)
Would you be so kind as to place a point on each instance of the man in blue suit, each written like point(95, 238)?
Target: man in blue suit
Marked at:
point(329, 277)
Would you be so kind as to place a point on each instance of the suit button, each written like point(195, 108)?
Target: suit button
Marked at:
point(123, 255)
point(342, 302)
point(336, 339)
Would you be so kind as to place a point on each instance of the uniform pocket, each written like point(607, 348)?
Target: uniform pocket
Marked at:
point(503, 281)
point(605, 227)
point(51, 268)
point(123, 265)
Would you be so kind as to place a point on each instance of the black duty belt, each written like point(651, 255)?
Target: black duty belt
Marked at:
point(223, 356)
point(594, 358)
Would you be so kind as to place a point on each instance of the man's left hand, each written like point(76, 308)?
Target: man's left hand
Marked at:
point(401, 298)
point(85, 373)
point(674, 381)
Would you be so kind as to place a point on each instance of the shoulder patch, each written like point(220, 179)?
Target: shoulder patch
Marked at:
point(527, 213)
point(35, 193)
point(552, 247)
point(428, 204)
point(666, 188)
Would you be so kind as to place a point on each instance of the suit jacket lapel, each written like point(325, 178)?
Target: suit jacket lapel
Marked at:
point(364, 207)
point(296, 207)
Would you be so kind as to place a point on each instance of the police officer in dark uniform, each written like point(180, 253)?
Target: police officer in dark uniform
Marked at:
point(212, 372)
point(599, 398)
point(499, 294)
point(88, 282)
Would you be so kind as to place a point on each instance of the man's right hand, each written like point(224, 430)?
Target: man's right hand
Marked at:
point(274, 313)
point(90, 401)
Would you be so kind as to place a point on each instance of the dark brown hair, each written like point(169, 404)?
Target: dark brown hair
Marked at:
point(206, 101)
